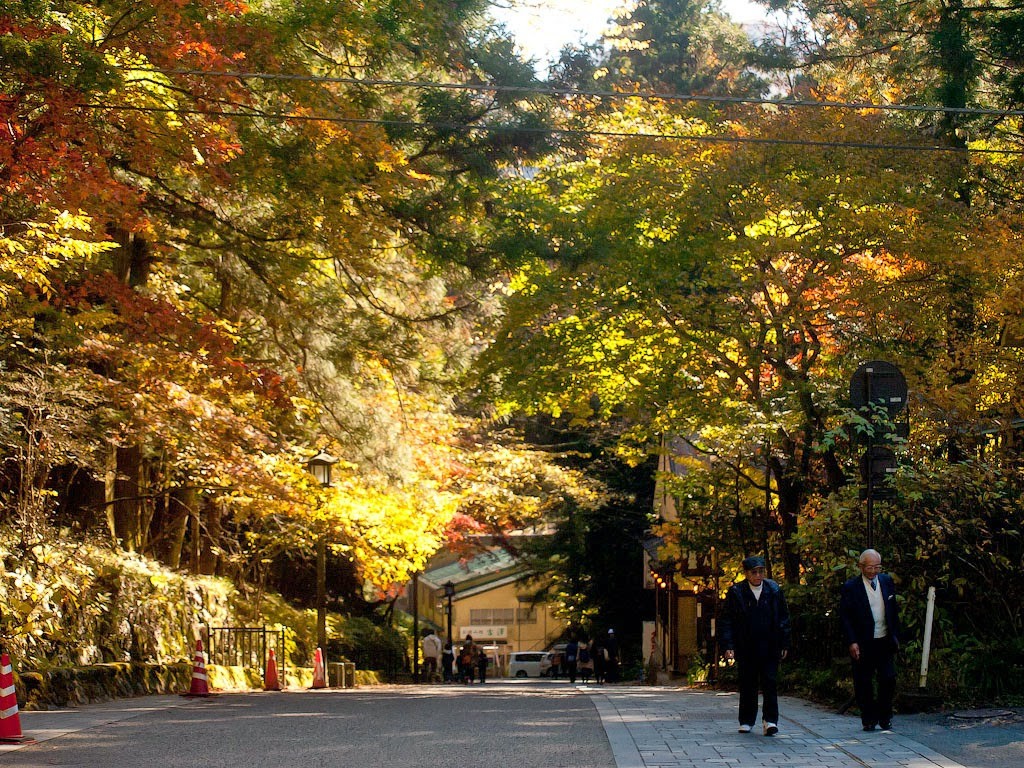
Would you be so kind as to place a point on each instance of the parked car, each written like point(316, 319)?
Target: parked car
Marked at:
point(529, 664)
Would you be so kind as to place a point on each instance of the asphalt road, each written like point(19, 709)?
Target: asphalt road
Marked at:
point(499, 724)
point(987, 738)
point(512, 724)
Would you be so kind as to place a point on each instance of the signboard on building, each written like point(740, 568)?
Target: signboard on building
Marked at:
point(484, 634)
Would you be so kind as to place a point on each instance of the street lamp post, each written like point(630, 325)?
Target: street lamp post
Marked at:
point(714, 617)
point(320, 467)
point(416, 627)
point(449, 592)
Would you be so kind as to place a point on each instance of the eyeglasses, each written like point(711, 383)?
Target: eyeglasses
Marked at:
point(870, 567)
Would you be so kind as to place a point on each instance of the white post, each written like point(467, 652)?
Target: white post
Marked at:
point(926, 650)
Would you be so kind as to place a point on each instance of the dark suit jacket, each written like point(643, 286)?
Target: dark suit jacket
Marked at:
point(855, 611)
point(737, 628)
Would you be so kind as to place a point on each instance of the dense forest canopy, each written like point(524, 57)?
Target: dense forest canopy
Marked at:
point(227, 245)
point(233, 235)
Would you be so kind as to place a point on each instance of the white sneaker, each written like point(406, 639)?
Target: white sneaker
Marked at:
point(770, 729)
point(745, 729)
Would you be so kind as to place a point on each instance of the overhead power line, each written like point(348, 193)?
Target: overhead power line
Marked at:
point(550, 91)
point(458, 127)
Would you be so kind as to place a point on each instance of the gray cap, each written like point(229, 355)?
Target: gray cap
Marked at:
point(753, 562)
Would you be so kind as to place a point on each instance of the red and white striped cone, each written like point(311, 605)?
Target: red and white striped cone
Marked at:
point(200, 686)
point(319, 678)
point(10, 720)
point(270, 681)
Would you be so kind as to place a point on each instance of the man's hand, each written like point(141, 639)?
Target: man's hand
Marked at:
point(783, 654)
point(855, 651)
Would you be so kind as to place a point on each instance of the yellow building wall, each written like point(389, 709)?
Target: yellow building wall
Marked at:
point(686, 647)
point(534, 632)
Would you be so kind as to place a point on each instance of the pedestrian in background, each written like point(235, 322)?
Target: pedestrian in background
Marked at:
point(871, 624)
point(448, 662)
point(756, 633)
point(600, 656)
point(431, 645)
point(585, 661)
point(467, 660)
point(572, 652)
point(611, 657)
point(481, 664)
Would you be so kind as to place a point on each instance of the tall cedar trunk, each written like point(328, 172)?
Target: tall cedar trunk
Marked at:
point(128, 488)
point(195, 539)
point(183, 501)
point(131, 264)
point(790, 492)
point(957, 63)
point(81, 499)
point(208, 553)
point(170, 524)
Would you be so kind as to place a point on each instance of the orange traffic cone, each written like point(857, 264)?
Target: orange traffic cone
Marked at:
point(200, 686)
point(319, 679)
point(270, 681)
point(10, 721)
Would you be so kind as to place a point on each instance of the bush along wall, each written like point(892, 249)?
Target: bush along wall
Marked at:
point(66, 603)
point(84, 624)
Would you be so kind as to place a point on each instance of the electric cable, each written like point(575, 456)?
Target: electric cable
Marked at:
point(549, 91)
point(456, 127)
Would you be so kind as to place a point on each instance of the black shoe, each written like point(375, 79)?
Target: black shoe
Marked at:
point(886, 727)
point(869, 727)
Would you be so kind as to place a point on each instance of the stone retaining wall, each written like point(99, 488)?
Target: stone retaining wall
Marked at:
point(75, 686)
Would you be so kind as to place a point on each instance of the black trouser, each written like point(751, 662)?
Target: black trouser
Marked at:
point(430, 668)
point(876, 660)
point(758, 673)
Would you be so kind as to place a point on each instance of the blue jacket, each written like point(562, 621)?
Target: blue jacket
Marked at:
point(855, 611)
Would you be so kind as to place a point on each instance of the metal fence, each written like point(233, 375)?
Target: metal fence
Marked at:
point(247, 647)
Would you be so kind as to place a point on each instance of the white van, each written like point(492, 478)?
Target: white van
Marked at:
point(529, 664)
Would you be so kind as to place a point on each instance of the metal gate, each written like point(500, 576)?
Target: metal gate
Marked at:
point(247, 647)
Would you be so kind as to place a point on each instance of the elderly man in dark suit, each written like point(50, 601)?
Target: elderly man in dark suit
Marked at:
point(756, 632)
point(871, 624)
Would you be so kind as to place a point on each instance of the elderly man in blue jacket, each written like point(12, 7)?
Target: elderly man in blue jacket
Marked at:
point(756, 632)
point(871, 624)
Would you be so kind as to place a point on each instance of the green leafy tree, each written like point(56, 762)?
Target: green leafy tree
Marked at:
point(727, 303)
point(681, 47)
point(277, 245)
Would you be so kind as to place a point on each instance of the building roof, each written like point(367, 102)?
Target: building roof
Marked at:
point(483, 568)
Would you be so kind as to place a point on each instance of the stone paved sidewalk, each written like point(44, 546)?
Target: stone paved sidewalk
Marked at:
point(685, 728)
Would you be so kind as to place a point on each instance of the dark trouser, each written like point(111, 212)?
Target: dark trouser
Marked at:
point(570, 669)
point(430, 668)
point(876, 659)
point(757, 673)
